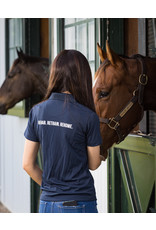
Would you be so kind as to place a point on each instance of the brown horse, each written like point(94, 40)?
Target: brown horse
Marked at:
point(27, 76)
point(123, 89)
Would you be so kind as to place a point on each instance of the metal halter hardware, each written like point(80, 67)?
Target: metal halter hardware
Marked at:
point(113, 123)
point(116, 124)
point(143, 81)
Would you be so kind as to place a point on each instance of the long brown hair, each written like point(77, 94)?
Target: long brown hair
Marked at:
point(70, 71)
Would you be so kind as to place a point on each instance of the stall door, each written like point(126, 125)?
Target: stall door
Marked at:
point(132, 175)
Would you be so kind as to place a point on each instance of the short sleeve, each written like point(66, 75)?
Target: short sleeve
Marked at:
point(30, 132)
point(93, 131)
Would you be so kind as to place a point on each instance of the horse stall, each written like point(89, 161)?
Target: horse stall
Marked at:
point(132, 163)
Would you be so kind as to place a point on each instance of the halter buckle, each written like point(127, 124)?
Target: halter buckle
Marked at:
point(111, 125)
point(143, 79)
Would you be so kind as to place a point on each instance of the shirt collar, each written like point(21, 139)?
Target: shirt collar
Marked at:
point(62, 97)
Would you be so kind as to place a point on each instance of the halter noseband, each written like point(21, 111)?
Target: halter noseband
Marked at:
point(114, 123)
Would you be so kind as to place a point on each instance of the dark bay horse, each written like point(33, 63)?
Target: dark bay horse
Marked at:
point(27, 76)
point(123, 89)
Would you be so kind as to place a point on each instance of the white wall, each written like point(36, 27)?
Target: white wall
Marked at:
point(100, 181)
point(2, 49)
point(14, 183)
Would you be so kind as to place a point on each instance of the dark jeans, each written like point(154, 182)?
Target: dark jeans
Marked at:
point(57, 207)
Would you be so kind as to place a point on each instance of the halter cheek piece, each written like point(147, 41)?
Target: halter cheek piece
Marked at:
point(114, 123)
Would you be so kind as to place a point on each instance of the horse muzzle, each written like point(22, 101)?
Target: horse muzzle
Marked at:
point(3, 109)
point(103, 152)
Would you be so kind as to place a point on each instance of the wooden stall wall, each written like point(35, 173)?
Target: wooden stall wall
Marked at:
point(44, 37)
point(131, 36)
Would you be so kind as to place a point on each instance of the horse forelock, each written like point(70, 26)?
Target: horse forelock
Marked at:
point(101, 69)
point(95, 80)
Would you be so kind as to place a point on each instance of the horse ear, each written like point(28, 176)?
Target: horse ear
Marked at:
point(112, 57)
point(101, 52)
point(20, 53)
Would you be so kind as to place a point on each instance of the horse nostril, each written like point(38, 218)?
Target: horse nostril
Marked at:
point(2, 109)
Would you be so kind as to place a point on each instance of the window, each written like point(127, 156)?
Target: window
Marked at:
point(22, 33)
point(14, 39)
point(151, 37)
point(151, 51)
point(80, 34)
point(154, 32)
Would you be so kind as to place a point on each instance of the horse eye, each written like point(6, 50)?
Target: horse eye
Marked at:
point(10, 76)
point(103, 94)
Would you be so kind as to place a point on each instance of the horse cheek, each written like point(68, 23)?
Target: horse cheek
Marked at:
point(25, 89)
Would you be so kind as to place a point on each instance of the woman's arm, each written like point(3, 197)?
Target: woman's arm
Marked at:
point(94, 157)
point(29, 161)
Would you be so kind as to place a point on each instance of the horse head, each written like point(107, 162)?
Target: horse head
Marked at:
point(116, 81)
point(23, 80)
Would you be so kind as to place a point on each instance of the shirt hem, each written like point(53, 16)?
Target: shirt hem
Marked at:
point(66, 198)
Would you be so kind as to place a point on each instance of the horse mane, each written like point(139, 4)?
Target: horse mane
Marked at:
point(106, 62)
point(32, 59)
point(27, 59)
point(134, 56)
point(22, 57)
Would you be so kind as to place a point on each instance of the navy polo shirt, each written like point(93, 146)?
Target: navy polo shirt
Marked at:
point(64, 129)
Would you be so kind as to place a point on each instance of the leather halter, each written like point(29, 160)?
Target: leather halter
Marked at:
point(114, 122)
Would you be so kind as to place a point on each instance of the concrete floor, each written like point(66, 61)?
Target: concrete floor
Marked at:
point(3, 209)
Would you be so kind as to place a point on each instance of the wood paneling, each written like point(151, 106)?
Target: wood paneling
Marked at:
point(44, 45)
point(131, 36)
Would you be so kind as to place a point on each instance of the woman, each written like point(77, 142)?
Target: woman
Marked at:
point(67, 127)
